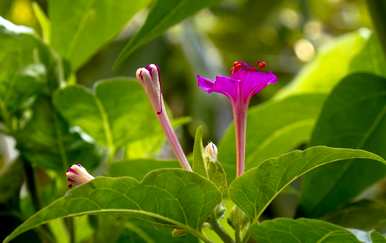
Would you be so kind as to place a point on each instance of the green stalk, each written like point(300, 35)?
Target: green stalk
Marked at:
point(219, 230)
point(377, 10)
point(36, 203)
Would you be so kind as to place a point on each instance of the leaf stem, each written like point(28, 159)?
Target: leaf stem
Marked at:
point(32, 189)
point(377, 10)
point(31, 184)
point(70, 225)
point(216, 227)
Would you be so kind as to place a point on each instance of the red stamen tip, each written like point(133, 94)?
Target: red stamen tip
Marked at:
point(237, 65)
point(261, 64)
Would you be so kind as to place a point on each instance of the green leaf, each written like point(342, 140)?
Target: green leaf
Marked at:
point(138, 168)
point(164, 14)
point(365, 215)
point(255, 190)
point(274, 128)
point(150, 146)
point(198, 164)
point(169, 196)
point(115, 113)
point(80, 28)
point(353, 116)
point(46, 140)
point(359, 51)
point(23, 73)
point(300, 231)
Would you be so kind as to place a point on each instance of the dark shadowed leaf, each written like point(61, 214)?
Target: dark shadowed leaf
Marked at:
point(255, 190)
point(273, 128)
point(164, 14)
point(353, 116)
point(169, 196)
point(79, 28)
point(365, 215)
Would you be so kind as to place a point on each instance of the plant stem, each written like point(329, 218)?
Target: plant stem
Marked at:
point(69, 222)
point(377, 9)
point(31, 185)
point(219, 230)
point(32, 189)
point(237, 235)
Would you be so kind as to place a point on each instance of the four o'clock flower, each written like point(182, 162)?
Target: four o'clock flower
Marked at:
point(244, 82)
point(149, 77)
point(77, 175)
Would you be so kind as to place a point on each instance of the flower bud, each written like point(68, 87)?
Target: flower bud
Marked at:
point(210, 152)
point(77, 175)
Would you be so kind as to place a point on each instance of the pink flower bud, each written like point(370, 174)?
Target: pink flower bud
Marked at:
point(77, 175)
point(149, 77)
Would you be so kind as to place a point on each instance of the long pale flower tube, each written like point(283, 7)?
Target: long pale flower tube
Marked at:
point(149, 77)
point(245, 81)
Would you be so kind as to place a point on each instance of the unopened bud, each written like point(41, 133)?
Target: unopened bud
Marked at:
point(210, 152)
point(77, 175)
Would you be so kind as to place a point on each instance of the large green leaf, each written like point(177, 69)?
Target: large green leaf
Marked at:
point(46, 140)
point(79, 28)
point(353, 117)
point(273, 128)
point(170, 196)
point(115, 113)
point(359, 51)
point(300, 231)
point(23, 70)
point(138, 168)
point(254, 191)
point(164, 14)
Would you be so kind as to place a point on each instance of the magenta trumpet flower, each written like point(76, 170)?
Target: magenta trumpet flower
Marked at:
point(149, 77)
point(245, 81)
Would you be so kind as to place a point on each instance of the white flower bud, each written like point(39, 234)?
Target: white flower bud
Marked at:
point(77, 175)
point(210, 152)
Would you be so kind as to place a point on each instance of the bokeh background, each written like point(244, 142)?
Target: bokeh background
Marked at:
point(287, 34)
